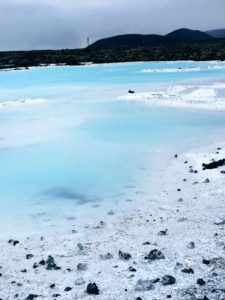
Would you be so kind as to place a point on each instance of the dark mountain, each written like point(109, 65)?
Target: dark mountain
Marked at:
point(139, 40)
point(217, 33)
point(186, 35)
point(128, 40)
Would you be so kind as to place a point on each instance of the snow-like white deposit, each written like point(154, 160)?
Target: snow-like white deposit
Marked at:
point(211, 96)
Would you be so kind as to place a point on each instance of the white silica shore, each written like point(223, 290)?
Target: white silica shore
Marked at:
point(207, 96)
point(183, 221)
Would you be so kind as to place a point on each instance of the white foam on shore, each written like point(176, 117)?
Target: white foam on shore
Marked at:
point(180, 70)
point(171, 70)
point(22, 102)
point(201, 97)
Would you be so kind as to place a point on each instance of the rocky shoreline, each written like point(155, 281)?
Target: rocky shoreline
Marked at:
point(168, 247)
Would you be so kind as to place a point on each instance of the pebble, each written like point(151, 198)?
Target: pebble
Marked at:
point(124, 255)
point(92, 289)
point(144, 285)
point(191, 245)
point(79, 281)
point(201, 282)
point(188, 271)
point(106, 256)
point(168, 280)
point(154, 255)
point(81, 267)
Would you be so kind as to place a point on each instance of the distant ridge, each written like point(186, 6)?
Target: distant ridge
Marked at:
point(138, 40)
point(217, 33)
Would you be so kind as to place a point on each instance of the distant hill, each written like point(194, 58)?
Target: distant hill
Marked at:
point(139, 40)
point(217, 33)
point(186, 35)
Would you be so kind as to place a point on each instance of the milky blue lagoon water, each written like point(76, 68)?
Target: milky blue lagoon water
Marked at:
point(79, 147)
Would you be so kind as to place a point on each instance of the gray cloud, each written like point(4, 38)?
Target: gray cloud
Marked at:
point(56, 24)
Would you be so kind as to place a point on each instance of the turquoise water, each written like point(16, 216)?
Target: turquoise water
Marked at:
point(81, 146)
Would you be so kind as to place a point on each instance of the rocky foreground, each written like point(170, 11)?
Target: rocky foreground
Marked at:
point(169, 247)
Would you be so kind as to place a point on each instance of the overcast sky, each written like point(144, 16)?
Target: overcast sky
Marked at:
point(57, 24)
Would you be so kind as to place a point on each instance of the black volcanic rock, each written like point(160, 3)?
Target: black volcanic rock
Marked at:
point(154, 255)
point(92, 289)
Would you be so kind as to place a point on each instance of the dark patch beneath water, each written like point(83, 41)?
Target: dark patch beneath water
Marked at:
point(65, 193)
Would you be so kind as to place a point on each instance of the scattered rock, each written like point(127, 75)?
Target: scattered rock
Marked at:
point(163, 232)
point(191, 245)
point(124, 255)
point(132, 269)
point(220, 222)
point(168, 280)
point(79, 281)
point(205, 261)
point(214, 164)
point(131, 92)
point(81, 249)
point(206, 180)
point(31, 297)
point(81, 267)
point(144, 285)
point(154, 255)
point(201, 282)
point(29, 256)
point(92, 289)
point(106, 256)
point(50, 264)
point(188, 271)
point(13, 242)
point(67, 289)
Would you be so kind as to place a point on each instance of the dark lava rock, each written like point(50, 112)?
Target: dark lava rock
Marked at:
point(146, 243)
point(35, 265)
point(79, 281)
point(24, 271)
point(188, 271)
point(206, 180)
point(81, 267)
point(214, 164)
point(154, 255)
point(131, 92)
point(131, 269)
point(67, 289)
point(201, 282)
point(191, 245)
point(206, 261)
point(176, 156)
point(144, 285)
point(220, 222)
point(42, 262)
point(155, 280)
point(52, 286)
point(163, 232)
point(51, 265)
point(124, 255)
point(92, 289)
point(168, 280)
point(13, 242)
point(56, 295)
point(31, 297)
point(222, 172)
point(138, 298)
point(106, 256)
point(29, 256)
